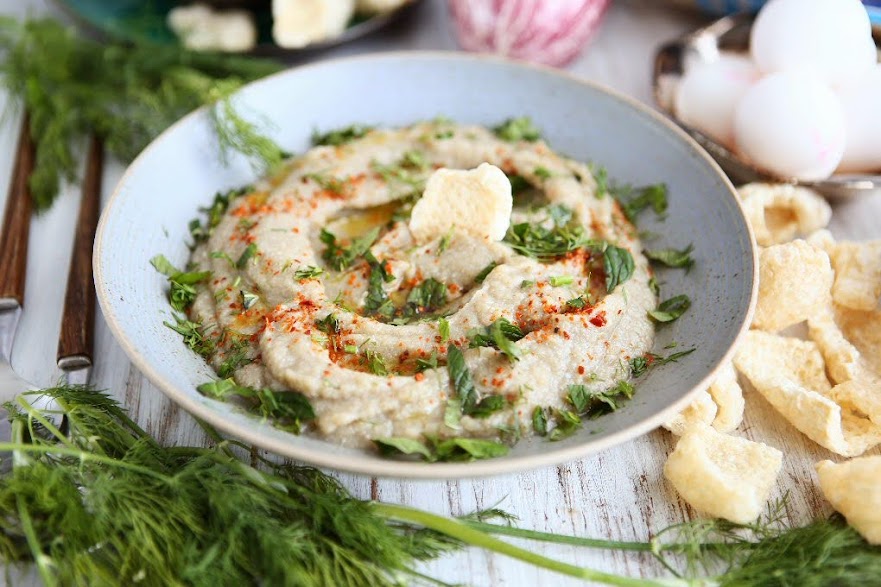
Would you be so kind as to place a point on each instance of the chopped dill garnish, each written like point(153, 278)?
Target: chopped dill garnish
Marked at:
point(340, 136)
point(518, 129)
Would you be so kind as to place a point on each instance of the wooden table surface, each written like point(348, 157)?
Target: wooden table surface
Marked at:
point(618, 494)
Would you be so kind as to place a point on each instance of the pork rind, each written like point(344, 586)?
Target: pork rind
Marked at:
point(701, 411)
point(789, 373)
point(854, 489)
point(860, 396)
point(721, 406)
point(728, 396)
point(779, 213)
point(723, 476)
point(795, 280)
point(857, 275)
point(850, 341)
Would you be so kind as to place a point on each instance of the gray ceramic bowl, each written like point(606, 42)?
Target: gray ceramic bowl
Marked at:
point(181, 171)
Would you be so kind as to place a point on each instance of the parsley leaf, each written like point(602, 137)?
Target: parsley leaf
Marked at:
point(248, 299)
point(443, 328)
point(488, 406)
point(480, 277)
point(517, 129)
point(566, 424)
point(654, 196)
point(246, 255)
point(487, 337)
point(341, 258)
point(375, 362)
point(429, 363)
point(377, 301)
point(670, 310)
point(389, 446)
point(307, 272)
point(505, 345)
point(340, 136)
point(468, 449)
point(560, 280)
point(542, 172)
point(181, 291)
point(680, 259)
point(540, 421)
point(534, 240)
point(426, 297)
point(288, 410)
point(638, 366)
point(193, 334)
point(618, 266)
point(460, 377)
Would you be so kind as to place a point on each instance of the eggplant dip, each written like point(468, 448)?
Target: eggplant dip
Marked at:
point(433, 289)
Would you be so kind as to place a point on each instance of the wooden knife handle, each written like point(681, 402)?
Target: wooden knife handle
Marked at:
point(16, 223)
point(76, 339)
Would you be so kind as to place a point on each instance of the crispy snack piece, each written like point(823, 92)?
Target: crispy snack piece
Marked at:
point(778, 212)
point(854, 489)
point(857, 275)
point(863, 397)
point(795, 280)
point(701, 411)
point(720, 406)
point(723, 476)
point(728, 395)
point(850, 341)
point(801, 394)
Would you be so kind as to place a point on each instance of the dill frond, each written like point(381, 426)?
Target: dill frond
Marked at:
point(125, 94)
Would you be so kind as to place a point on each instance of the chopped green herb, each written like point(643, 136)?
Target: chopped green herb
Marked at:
point(248, 299)
point(377, 302)
point(654, 286)
point(480, 277)
point(518, 129)
point(445, 241)
point(618, 265)
point(340, 136)
point(468, 449)
point(560, 280)
point(453, 414)
point(425, 364)
point(236, 357)
point(246, 224)
point(287, 410)
point(223, 255)
point(680, 259)
point(375, 362)
point(450, 449)
point(478, 337)
point(307, 272)
point(389, 446)
point(658, 360)
point(526, 283)
point(460, 377)
point(351, 349)
point(330, 324)
point(341, 258)
point(193, 335)
point(566, 423)
point(601, 176)
point(410, 170)
point(444, 134)
point(577, 303)
point(542, 172)
point(500, 337)
point(518, 183)
point(534, 240)
point(539, 421)
point(425, 298)
point(634, 201)
point(560, 214)
point(330, 184)
point(181, 291)
point(579, 397)
point(670, 310)
point(246, 255)
point(638, 366)
point(488, 406)
point(443, 328)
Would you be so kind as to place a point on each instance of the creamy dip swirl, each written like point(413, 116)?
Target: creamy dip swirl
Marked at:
point(266, 301)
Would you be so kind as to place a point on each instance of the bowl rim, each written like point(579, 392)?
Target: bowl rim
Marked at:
point(403, 469)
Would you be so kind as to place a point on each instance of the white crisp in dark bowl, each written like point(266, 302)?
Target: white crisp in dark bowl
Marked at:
point(181, 171)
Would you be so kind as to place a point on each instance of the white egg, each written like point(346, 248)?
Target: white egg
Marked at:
point(791, 124)
point(862, 119)
point(709, 91)
point(831, 38)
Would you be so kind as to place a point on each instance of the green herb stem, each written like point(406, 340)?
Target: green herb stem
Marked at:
point(472, 536)
point(82, 455)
